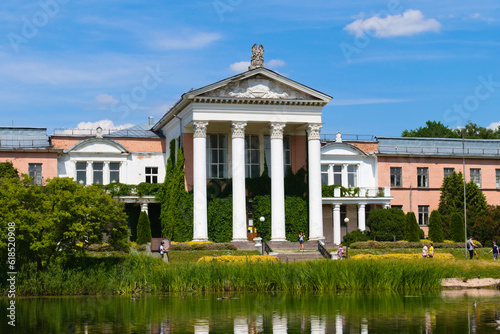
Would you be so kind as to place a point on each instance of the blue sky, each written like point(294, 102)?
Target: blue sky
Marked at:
point(389, 65)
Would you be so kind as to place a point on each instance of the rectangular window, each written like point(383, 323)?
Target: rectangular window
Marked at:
point(448, 171)
point(396, 173)
point(97, 168)
point(497, 171)
point(400, 207)
point(151, 174)
point(114, 172)
point(423, 214)
point(81, 172)
point(324, 174)
point(337, 175)
point(35, 171)
point(217, 156)
point(422, 177)
point(252, 162)
point(287, 153)
point(475, 176)
point(352, 175)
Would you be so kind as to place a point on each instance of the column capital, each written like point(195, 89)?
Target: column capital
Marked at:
point(336, 207)
point(313, 130)
point(362, 205)
point(277, 130)
point(238, 129)
point(200, 129)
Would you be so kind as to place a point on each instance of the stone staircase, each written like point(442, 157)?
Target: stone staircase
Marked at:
point(288, 251)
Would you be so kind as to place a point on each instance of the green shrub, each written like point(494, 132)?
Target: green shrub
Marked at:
point(403, 244)
point(355, 236)
point(220, 219)
point(386, 224)
point(143, 229)
point(262, 208)
point(296, 217)
point(412, 233)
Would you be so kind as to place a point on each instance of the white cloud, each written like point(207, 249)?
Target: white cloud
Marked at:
point(106, 124)
point(187, 41)
point(242, 66)
point(350, 102)
point(275, 63)
point(478, 16)
point(105, 101)
point(409, 23)
point(493, 126)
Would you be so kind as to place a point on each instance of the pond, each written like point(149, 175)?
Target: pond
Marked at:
point(458, 311)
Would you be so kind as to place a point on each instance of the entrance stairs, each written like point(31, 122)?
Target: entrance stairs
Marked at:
point(288, 251)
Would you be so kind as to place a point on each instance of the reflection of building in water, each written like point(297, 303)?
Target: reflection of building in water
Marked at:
point(240, 325)
point(279, 323)
point(318, 324)
point(201, 326)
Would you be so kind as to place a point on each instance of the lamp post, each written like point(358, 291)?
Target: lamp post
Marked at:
point(262, 219)
point(346, 221)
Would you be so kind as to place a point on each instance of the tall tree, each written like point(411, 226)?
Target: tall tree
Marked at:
point(457, 229)
point(432, 129)
point(436, 227)
point(386, 223)
point(7, 170)
point(452, 197)
point(60, 219)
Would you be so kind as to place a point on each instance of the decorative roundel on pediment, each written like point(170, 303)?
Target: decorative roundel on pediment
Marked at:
point(258, 87)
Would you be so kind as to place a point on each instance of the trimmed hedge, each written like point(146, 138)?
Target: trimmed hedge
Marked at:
point(395, 245)
point(206, 246)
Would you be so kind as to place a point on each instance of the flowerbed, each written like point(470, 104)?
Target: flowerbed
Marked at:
point(404, 244)
point(239, 259)
point(439, 256)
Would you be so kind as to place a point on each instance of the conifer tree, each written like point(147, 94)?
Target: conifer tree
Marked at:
point(457, 231)
point(412, 229)
point(143, 229)
point(436, 227)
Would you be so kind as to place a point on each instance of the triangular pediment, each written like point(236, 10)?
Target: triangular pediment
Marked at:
point(260, 84)
point(98, 146)
point(341, 149)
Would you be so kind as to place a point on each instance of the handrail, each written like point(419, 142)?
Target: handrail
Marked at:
point(267, 249)
point(326, 254)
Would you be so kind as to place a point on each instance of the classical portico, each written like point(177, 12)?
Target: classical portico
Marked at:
point(230, 128)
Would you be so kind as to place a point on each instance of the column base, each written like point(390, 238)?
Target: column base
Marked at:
point(316, 238)
point(240, 240)
point(199, 240)
point(278, 239)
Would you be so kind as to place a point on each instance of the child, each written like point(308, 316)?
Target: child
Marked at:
point(340, 252)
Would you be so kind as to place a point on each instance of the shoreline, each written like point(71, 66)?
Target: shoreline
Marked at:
point(473, 283)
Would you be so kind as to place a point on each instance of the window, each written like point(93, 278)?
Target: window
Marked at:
point(448, 171)
point(337, 175)
point(324, 174)
point(217, 156)
point(396, 176)
point(497, 171)
point(352, 175)
point(252, 163)
point(81, 172)
point(114, 172)
point(151, 174)
point(475, 176)
point(423, 214)
point(423, 177)
point(287, 153)
point(97, 168)
point(35, 171)
point(400, 207)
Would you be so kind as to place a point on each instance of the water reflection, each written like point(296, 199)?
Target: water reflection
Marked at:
point(473, 311)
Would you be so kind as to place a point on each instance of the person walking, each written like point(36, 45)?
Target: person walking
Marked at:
point(301, 240)
point(470, 248)
point(424, 251)
point(494, 249)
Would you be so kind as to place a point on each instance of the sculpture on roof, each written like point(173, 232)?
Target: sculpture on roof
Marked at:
point(257, 57)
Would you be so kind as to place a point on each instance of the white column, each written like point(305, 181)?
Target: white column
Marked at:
point(238, 168)
point(337, 237)
point(105, 173)
point(90, 173)
point(280, 324)
point(240, 325)
point(387, 205)
point(200, 228)
point(144, 207)
point(314, 172)
point(277, 183)
point(361, 217)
